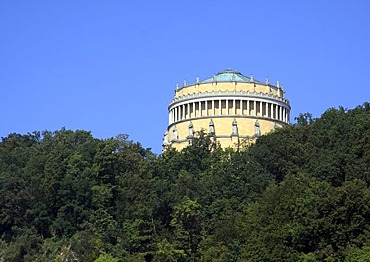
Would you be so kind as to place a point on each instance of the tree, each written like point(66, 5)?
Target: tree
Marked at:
point(304, 119)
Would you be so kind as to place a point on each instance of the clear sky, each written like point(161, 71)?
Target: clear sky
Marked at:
point(111, 66)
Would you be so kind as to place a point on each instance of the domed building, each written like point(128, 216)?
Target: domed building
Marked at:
point(229, 106)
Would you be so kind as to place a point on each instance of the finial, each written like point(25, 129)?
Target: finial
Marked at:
point(211, 127)
point(267, 80)
point(177, 86)
point(252, 77)
point(234, 129)
point(257, 131)
point(197, 80)
point(165, 139)
point(191, 130)
point(174, 134)
point(184, 82)
point(278, 83)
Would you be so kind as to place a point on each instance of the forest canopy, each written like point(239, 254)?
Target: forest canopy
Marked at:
point(300, 193)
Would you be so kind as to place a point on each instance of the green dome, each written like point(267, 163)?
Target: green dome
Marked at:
point(228, 75)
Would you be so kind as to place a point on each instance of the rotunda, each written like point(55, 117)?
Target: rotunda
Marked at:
point(229, 106)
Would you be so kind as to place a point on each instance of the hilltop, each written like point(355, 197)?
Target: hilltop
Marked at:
point(300, 193)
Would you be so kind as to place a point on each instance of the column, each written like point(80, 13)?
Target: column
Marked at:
point(213, 107)
point(284, 114)
point(234, 107)
point(261, 109)
point(219, 107)
point(200, 108)
point(241, 107)
point(281, 113)
point(175, 114)
point(183, 111)
point(272, 110)
point(255, 107)
point(227, 106)
point(276, 112)
point(194, 112)
point(206, 107)
point(267, 109)
point(248, 109)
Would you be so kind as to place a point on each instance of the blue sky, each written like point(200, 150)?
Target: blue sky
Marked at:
point(111, 67)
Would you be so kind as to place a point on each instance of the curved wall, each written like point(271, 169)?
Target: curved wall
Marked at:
point(255, 108)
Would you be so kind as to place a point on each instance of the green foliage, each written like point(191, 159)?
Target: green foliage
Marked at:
point(106, 258)
point(359, 255)
point(304, 119)
point(268, 224)
point(23, 247)
point(166, 252)
point(300, 193)
point(186, 224)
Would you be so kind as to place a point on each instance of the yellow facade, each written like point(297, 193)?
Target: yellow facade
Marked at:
point(234, 106)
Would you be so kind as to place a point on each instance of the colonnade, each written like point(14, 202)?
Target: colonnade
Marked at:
point(229, 107)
